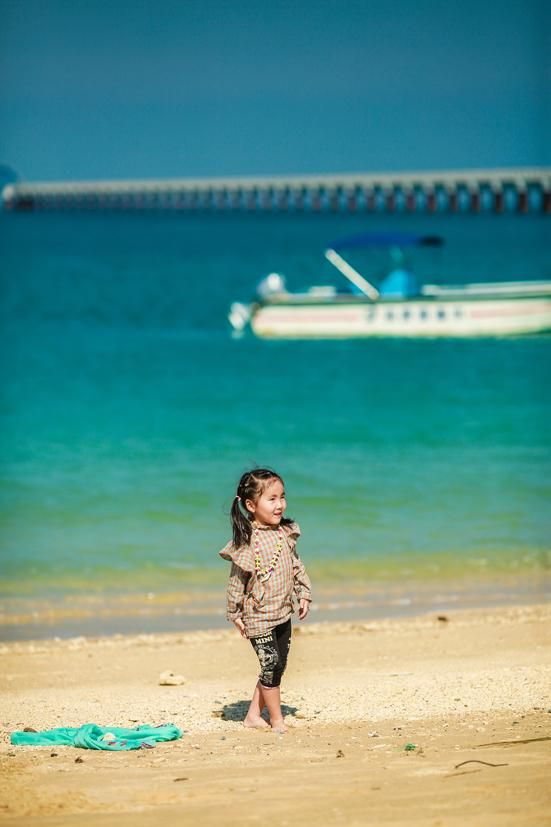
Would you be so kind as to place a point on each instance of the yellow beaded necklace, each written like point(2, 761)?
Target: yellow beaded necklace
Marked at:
point(263, 574)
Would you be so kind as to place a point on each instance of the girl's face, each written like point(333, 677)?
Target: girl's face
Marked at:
point(270, 506)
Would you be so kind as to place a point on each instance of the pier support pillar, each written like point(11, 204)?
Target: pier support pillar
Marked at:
point(522, 201)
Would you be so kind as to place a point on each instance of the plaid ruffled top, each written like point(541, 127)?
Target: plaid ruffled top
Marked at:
point(267, 603)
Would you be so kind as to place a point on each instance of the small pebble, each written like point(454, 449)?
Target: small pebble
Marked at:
point(168, 678)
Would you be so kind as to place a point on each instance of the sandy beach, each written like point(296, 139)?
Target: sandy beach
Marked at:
point(470, 692)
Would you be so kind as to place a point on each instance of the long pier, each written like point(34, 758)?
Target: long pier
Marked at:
point(480, 190)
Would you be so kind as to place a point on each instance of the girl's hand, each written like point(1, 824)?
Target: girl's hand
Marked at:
point(304, 608)
point(238, 623)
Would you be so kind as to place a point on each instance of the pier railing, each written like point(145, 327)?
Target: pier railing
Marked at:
point(496, 190)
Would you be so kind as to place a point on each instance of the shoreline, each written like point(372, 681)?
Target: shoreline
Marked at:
point(471, 694)
point(110, 613)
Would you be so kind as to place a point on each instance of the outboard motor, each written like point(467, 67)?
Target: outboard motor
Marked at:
point(239, 316)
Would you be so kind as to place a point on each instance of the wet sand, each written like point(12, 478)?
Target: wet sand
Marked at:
point(91, 614)
point(470, 693)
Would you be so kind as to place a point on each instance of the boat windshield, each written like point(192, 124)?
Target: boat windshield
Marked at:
point(399, 283)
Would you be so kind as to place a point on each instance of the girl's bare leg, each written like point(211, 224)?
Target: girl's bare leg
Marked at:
point(272, 698)
point(254, 717)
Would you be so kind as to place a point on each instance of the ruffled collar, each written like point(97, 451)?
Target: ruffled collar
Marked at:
point(244, 556)
point(262, 527)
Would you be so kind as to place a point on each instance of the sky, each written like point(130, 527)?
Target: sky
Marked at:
point(93, 89)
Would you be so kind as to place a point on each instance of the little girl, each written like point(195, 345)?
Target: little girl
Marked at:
point(266, 572)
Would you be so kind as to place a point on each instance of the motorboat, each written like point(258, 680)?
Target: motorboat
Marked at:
point(398, 306)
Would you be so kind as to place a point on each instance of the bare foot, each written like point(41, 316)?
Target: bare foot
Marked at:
point(278, 726)
point(255, 723)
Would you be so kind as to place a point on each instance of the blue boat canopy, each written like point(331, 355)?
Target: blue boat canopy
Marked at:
point(387, 240)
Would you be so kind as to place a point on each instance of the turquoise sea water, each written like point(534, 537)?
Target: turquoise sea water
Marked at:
point(129, 411)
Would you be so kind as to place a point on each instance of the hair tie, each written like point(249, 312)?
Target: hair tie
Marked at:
point(238, 498)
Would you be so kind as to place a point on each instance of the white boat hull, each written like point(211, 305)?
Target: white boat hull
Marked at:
point(414, 317)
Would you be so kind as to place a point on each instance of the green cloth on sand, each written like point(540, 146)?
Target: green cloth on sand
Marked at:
point(92, 736)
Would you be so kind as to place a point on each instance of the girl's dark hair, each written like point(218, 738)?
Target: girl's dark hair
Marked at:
point(250, 487)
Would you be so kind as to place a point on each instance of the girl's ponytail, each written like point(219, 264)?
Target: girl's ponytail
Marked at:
point(241, 525)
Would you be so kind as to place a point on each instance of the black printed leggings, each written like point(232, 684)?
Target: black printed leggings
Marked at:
point(272, 649)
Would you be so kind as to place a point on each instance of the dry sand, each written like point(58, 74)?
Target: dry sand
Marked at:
point(472, 692)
